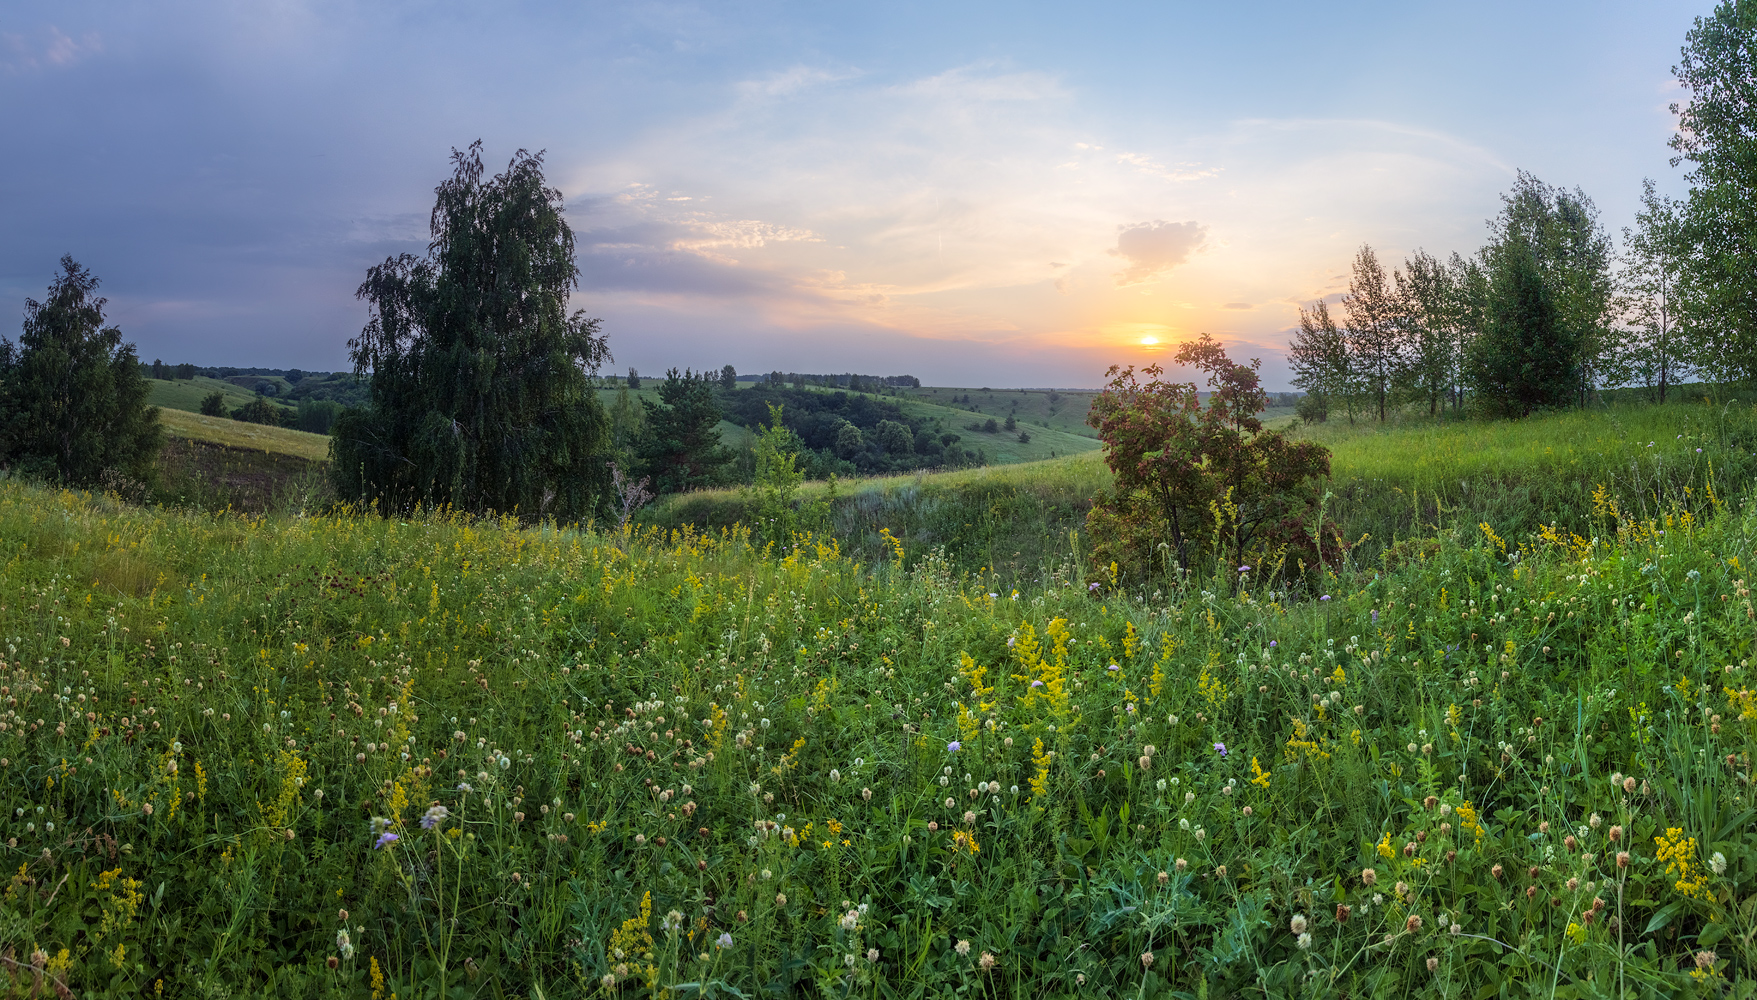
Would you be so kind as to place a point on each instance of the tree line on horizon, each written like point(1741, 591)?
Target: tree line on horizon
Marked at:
point(1548, 312)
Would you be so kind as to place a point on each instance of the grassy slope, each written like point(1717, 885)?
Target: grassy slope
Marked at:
point(1408, 479)
point(238, 434)
point(1067, 413)
point(186, 394)
point(622, 711)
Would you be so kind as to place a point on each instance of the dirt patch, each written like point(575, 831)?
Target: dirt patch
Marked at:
point(216, 477)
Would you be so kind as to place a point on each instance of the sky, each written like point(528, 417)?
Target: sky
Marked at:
point(978, 194)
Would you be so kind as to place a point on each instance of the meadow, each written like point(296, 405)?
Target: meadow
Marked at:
point(442, 757)
point(1392, 486)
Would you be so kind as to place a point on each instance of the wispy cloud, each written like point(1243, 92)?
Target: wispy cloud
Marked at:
point(50, 48)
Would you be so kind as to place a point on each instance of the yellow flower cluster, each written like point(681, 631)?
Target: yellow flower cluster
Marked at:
point(630, 951)
point(1678, 853)
point(1040, 778)
point(1259, 777)
point(1468, 823)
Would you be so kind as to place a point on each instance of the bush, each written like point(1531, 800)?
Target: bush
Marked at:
point(214, 404)
point(261, 411)
point(1209, 484)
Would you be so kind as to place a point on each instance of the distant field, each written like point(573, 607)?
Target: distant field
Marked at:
point(237, 434)
point(1053, 409)
point(187, 394)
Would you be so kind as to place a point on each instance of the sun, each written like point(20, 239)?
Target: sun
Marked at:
point(1149, 341)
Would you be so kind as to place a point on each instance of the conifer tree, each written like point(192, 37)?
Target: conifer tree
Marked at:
point(480, 378)
point(72, 396)
point(682, 450)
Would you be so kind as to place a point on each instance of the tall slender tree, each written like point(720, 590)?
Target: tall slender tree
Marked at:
point(480, 378)
point(1428, 313)
point(1654, 349)
point(1470, 296)
point(1319, 357)
point(72, 396)
point(1719, 223)
point(1374, 341)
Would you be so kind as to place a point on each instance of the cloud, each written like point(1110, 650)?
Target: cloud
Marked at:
point(708, 235)
point(53, 47)
point(1152, 248)
point(1153, 168)
point(1238, 305)
point(789, 82)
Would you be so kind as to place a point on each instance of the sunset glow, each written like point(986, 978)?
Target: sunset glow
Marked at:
point(929, 191)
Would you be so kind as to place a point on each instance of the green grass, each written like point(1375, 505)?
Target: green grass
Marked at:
point(836, 773)
point(187, 394)
point(1060, 410)
point(1391, 486)
point(239, 434)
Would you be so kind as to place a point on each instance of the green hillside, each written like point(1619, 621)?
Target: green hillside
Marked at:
point(187, 394)
point(1061, 410)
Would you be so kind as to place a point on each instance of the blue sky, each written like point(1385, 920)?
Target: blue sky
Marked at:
point(978, 194)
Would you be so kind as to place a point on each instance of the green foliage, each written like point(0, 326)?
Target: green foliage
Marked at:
point(1208, 485)
point(261, 411)
point(1655, 348)
point(849, 440)
point(1524, 359)
point(780, 515)
point(1319, 357)
point(1545, 337)
point(1374, 332)
point(317, 415)
point(894, 437)
point(1718, 287)
point(681, 448)
point(480, 378)
point(72, 399)
point(214, 404)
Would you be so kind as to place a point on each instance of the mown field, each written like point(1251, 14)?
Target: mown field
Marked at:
point(341, 756)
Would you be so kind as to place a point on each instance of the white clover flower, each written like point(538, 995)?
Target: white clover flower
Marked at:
point(1718, 863)
point(835, 775)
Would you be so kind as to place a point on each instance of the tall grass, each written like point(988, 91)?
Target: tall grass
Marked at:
point(338, 756)
point(1402, 482)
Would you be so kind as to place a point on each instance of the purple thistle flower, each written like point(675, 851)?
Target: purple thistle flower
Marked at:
point(1220, 748)
point(954, 746)
point(1112, 668)
point(1271, 643)
point(1244, 569)
point(1036, 684)
point(1375, 614)
point(1092, 586)
point(385, 840)
point(1326, 597)
point(724, 940)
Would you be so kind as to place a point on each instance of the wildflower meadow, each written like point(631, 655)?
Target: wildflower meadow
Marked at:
point(443, 757)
